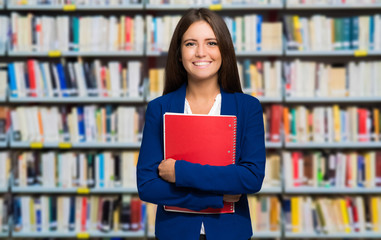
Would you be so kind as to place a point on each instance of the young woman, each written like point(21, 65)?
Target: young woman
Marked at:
point(201, 77)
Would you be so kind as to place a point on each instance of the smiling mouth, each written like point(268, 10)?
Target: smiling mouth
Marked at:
point(202, 63)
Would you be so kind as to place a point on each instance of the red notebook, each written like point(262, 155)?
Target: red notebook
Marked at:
point(202, 139)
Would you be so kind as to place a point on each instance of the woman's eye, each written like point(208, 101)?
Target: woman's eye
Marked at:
point(190, 44)
point(213, 43)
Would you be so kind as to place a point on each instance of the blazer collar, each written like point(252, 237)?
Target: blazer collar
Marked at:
point(228, 103)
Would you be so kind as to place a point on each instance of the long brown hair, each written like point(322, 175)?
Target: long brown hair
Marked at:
point(175, 73)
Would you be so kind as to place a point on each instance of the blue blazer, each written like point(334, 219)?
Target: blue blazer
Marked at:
point(198, 187)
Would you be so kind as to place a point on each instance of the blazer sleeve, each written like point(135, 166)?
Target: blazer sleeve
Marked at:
point(154, 189)
point(244, 177)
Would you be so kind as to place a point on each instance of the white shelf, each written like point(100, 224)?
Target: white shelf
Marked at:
point(115, 190)
point(273, 144)
point(91, 145)
point(3, 144)
point(52, 234)
point(259, 53)
point(109, 145)
point(259, 234)
point(3, 190)
point(51, 7)
point(333, 235)
point(331, 145)
point(332, 99)
point(216, 6)
point(3, 99)
point(295, 53)
point(4, 234)
point(77, 54)
point(77, 99)
point(270, 190)
point(332, 6)
point(40, 189)
point(331, 190)
point(270, 99)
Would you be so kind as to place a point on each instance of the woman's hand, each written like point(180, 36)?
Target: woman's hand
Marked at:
point(231, 198)
point(167, 170)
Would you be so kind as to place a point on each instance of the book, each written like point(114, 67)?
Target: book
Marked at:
point(200, 139)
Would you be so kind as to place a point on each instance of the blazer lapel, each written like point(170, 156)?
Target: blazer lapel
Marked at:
point(178, 100)
point(228, 103)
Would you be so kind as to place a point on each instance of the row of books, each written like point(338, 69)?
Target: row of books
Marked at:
point(77, 213)
point(4, 21)
point(76, 33)
point(4, 214)
point(259, 78)
point(265, 213)
point(5, 168)
point(354, 214)
point(126, 33)
point(249, 32)
point(89, 169)
point(322, 33)
point(88, 123)
point(252, 33)
point(76, 2)
point(35, 78)
point(332, 169)
point(327, 123)
point(318, 79)
point(332, 2)
point(75, 169)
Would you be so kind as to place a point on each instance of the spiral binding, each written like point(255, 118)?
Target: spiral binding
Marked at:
point(234, 137)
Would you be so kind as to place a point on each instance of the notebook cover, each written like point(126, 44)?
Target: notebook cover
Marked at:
point(202, 139)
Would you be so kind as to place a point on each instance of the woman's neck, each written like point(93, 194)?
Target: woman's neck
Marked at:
point(201, 97)
point(202, 91)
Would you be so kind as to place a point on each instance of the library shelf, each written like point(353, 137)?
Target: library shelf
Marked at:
point(304, 100)
point(3, 190)
point(67, 234)
point(77, 100)
point(266, 234)
point(3, 144)
point(40, 189)
point(115, 190)
point(331, 190)
point(73, 190)
point(332, 6)
point(159, 7)
point(337, 53)
point(54, 54)
point(259, 53)
point(3, 99)
point(275, 145)
point(4, 234)
point(69, 145)
point(334, 145)
point(269, 99)
point(333, 235)
point(73, 7)
point(270, 190)
point(264, 99)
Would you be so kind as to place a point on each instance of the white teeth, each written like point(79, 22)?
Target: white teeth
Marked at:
point(201, 63)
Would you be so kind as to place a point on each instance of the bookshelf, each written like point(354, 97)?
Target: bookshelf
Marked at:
point(150, 56)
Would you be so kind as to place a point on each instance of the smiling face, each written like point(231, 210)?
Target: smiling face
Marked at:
point(200, 54)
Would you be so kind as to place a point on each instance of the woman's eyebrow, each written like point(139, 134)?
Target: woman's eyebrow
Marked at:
point(207, 39)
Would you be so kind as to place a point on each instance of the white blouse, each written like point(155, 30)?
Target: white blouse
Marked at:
point(215, 110)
